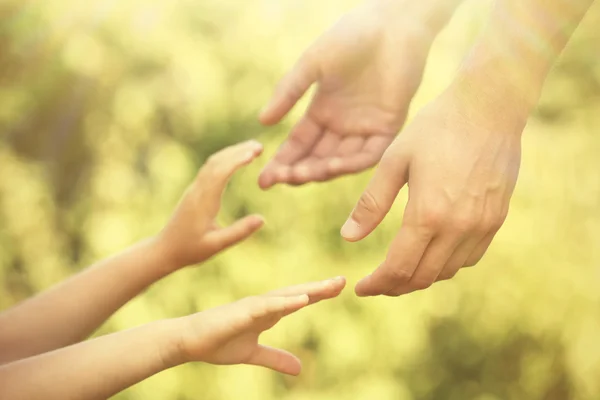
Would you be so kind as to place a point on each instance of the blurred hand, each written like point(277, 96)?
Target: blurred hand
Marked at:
point(192, 235)
point(461, 165)
point(229, 334)
point(367, 68)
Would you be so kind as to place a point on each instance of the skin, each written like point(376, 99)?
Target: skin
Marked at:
point(72, 310)
point(461, 154)
point(39, 338)
point(360, 102)
point(102, 367)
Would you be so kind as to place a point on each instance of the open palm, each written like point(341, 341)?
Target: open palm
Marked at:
point(367, 72)
point(230, 334)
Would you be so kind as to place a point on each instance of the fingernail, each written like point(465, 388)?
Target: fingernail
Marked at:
point(338, 278)
point(351, 229)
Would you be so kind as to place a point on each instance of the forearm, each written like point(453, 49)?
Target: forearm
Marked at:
point(72, 310)
point(95, 369)
point(428, 16)
point(507, 67)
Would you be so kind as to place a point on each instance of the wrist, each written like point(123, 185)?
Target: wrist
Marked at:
point(170, 345)
point(426, 17)
point(162, 251)
point(508, 66)
point(488, 104)
point(495, 91)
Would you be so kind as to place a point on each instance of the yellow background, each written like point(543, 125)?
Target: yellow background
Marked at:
point(107, 110)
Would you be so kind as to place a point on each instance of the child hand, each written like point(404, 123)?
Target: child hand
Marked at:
point(229, 334)
point(192, 235)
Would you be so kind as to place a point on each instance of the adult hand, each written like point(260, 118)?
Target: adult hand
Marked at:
point(461, 164)
point(367, 68)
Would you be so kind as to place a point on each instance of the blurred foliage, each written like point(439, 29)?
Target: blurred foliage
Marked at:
point(108, 108)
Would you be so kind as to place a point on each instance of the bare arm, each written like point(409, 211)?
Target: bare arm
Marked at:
point(94, 369)
point(102, 367)
point(461, 154)
point(517, 51)
point(72, 310)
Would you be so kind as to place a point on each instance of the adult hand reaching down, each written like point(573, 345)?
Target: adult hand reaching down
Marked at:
point(460, 157)
point(461, 176)
point(367, 69)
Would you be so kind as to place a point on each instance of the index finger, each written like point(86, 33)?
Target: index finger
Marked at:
point(316, 291)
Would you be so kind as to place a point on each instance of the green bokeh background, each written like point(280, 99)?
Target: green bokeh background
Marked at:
point(107, 110)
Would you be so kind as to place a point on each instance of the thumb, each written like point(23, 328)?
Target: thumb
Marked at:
point(289, 90)
point(226, 237)
point(276, 359)
point(378, 197)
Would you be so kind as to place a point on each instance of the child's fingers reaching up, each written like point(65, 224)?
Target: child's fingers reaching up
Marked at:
point(218, 170)
point(229, 334)
point(316, 291)
point(192, 235)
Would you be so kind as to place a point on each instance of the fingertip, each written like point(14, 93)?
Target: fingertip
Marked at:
point(259, 147)
point(351, 231)
point(255, 149)
point(257, 219)
point(265, 180)
point(266, 116)
point(255, 222)
point(339, 282)
point(296, 370)
point(292, 366)
point(362, 288)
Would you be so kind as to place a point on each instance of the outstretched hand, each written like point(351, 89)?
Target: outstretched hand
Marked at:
point(367, 69)
point(193, 235)
point(229, 334)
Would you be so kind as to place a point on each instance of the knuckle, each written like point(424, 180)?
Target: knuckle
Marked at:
point(435, 217)
point(399, 276)
point(421, 283)
point(446, 275)
point(471, 262)
point(499, 221)
point(466, 223)
point(367, 203)
point(492, 222)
